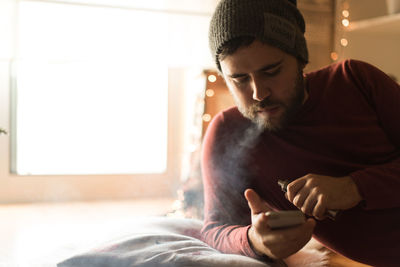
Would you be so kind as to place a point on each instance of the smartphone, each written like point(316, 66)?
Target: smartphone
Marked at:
point(285, 218)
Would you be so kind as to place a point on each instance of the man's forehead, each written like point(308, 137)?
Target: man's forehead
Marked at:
point(256, 56)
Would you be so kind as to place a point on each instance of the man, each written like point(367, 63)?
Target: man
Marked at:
point(333, 133)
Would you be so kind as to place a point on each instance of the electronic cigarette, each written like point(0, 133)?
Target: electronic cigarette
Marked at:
point(331, 214)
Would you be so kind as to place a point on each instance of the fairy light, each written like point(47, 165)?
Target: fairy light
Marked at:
point(212, 78)
point(210, 92)
point(344, 22)
point(206, 117)
point(334, 56)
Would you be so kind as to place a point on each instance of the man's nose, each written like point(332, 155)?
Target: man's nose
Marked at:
point(260, 90)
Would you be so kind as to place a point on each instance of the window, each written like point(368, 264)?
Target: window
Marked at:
point(86, 85)
point(91, 90)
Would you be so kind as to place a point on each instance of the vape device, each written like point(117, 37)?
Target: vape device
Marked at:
point(331, 214)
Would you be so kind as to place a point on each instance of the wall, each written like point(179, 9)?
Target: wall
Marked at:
point(373, 35)
point(319, 18)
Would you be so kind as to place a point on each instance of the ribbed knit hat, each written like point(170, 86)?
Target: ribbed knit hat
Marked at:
point(276, 22)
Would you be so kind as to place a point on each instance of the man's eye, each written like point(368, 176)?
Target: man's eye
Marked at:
point(241, 80)
point(273, 73)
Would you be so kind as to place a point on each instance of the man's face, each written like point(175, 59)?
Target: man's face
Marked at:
point(266, 83)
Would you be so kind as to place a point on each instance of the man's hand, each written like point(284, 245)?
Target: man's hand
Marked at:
point(314, 194)
point(276, 244)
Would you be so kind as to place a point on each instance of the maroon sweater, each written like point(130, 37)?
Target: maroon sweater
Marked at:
point(350, 125)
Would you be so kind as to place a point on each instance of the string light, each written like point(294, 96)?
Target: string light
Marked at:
point(206, 117)
point(334, 56)
point(344, 23)
point(212, 78)
point(210, 92)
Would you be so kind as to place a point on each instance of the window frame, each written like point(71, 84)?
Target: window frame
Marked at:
point(39, 188)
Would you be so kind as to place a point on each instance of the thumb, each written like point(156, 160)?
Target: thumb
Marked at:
point(256, 204)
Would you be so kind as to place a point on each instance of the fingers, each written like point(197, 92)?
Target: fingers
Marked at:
point(300, 234)
point(285, 242)
point(301, 197)
point(260, 223)
point(307, 197)
point(298, 193)
point(256, 204)
point(313, 205)
point(306, 228)
point(308, 205)
point(253, 200)
point(294, 187)
point(319, 208)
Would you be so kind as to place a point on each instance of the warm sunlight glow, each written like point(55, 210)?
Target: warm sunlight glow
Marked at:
point(91, 93)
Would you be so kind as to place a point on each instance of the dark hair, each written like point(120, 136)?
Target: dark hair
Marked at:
point(234, 44)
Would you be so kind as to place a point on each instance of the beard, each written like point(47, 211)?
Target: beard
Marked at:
point(289, 108)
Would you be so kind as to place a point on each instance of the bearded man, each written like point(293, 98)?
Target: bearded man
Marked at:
point(334, 134)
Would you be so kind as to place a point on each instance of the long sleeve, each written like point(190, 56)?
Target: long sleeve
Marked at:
point(380, 184)
point(348, 126)
point(227, 217)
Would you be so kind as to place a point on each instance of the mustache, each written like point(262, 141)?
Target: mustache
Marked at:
point(267, 102)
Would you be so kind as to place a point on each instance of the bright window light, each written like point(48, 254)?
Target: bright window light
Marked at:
point(91, 90)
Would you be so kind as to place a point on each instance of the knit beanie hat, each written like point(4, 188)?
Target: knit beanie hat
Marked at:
point(275, 22)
